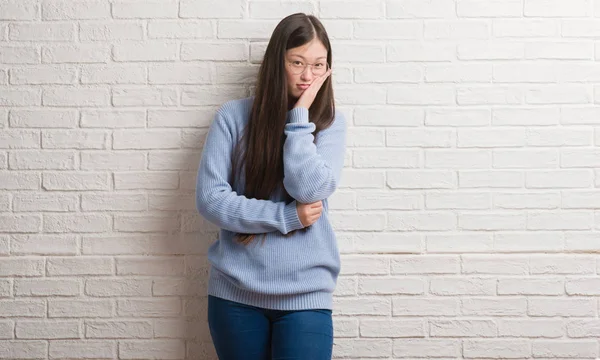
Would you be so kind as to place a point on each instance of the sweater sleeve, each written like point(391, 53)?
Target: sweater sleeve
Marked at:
point(219, 204)
point(312, 171)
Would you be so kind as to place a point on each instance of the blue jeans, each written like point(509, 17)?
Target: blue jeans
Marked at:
point(243, 332)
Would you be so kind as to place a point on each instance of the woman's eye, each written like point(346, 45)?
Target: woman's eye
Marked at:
point(297, 63)
point(319, 65)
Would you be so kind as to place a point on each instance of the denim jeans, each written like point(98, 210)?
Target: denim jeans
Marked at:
point(243, 332)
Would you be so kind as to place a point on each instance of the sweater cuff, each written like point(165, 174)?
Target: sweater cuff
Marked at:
point(291, 219)
point(298, 115)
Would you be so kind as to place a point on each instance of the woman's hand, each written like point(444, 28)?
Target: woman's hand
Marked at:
point(309, 213)
point(309, 95)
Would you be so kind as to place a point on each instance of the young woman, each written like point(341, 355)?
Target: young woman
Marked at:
point(268, 166)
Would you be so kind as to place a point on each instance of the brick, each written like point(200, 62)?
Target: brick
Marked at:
point(389, 158)
point(425, 306)
point(492, 221)
point(78, 139)
point(180, 118)
point(81, 265)
point(43, 118)
point(43, 75)
point(402, 30)
point(5, 292)
point(217, 51)
point(75, 97)
point(113, 119)
point(43, 287)
point(15, 180)
point(362, 306)
point(110, 31)
point(462, 328)
point(356, 53)
point(521, 286)
point(19, 349)
point(140, 349)
point(233, 9)
point(149, 9)
point(497, 348)
point(76, 223)
point(582, 286)
point(180, 29)
point(426, 348)
point(490, 179)
point(420, 9)
point(572, 348)
point(114, 202)
point(567, 220)
point(521, 241)
point(412, 51)
point(172, 160)
point(358, 222)
point(41, 32)
point(387, 201)
point(20, 223)
point(481, 306)
point(459, 200)
point(43, 245)
point(459, 243)
point(464, 286)
point(69, 10)
point(493, 8)
point(16, 97)
point(6, 330)
point(75, 54)
point(136, 223)
point(211, 95)
point(495, 264)
point(427, 221)
point(153, 50)
point(457, 158)
point(22, 308)
point(160, 266)
point(19, 55)
point(19, 10)
point(19, 139)
point(392, 328)
point(75, 181)
point(150, 140)
point(540, 8)
point(572, 307)
point(118, 287)
point(113, 74)
point(421, 179)
point(42, 160)
point(45, 202)
point(47, 329)
point(525, 28)
point(82, 349)
point(129, 245)
point(146, 180)
point(583, 328)
point(80, 308)
point(270, 10)
point(113, 161)
point(461, 117)
point(425, 265)
point(144, 97)
point(531, 328)
point(118, 329)
point(552, 94)
point(149, 307)
point(524, 159)
point(362, 347)
point(389, 286)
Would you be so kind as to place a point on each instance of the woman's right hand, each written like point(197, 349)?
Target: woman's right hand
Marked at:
point(309, 213)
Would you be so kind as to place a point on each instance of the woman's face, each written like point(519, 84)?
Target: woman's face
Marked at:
point(298, 78)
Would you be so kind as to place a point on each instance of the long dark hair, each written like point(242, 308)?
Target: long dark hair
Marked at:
point(259, 154)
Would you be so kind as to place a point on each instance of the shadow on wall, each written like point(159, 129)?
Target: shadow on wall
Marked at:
point(186, 238)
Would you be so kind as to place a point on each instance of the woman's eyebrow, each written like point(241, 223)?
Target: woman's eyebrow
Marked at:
point(321, 57)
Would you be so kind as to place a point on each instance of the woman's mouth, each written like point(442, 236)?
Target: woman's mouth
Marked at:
point(302, 86)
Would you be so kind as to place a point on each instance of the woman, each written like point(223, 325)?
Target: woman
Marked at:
point(268, 166)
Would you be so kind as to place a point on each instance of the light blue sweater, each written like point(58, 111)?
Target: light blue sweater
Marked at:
point(285, 273)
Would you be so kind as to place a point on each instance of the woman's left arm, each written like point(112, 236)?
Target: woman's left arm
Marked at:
point(312, 171)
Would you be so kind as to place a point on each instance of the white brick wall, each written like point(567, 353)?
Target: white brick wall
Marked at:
point(468, 216)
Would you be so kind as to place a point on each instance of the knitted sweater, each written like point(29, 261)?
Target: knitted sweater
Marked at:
point(284, 273)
